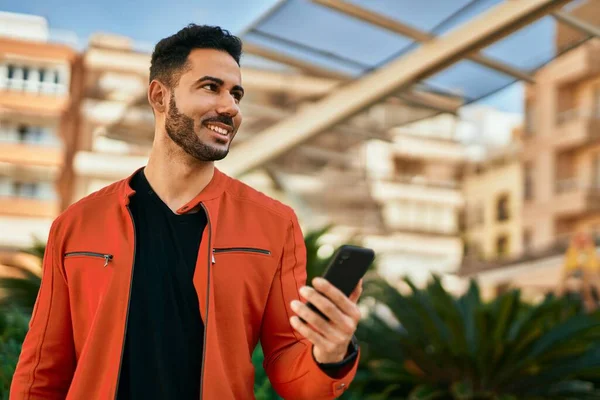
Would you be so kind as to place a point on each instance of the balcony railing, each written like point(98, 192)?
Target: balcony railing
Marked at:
point(567, 185)
point(574, 113)
point(31, 135)
point(34, 79)
point(423, 181)
point(572, 184)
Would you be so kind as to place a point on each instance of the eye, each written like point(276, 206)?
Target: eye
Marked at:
point(213, 87)
point(237, 96)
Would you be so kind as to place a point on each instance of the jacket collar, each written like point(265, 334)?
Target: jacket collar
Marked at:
point(214, 189)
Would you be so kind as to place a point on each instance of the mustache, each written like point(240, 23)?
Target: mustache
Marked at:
point(220, 118)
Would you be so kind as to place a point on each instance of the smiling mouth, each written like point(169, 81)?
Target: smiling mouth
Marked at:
point(218, 129)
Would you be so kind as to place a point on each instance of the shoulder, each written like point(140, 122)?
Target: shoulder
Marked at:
point(93, 204)
point(248, 197)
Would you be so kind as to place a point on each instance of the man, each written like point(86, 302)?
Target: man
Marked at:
point(159, 286)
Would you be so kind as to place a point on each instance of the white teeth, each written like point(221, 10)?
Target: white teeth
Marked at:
point(217, 129)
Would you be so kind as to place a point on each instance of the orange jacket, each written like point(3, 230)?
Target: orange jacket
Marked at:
point(75, 342)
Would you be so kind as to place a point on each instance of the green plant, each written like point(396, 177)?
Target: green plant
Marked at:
point(18, 295)
point(262, 386)
point(21, 292)
point(315, 265)
point(436, 346)
point(13, 327)
point(37, 249)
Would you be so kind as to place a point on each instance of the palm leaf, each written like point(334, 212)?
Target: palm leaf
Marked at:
point(463, 348)
point(20, 292)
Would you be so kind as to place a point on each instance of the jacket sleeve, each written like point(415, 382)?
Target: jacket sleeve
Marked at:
point(289, 363)
point(47, 361)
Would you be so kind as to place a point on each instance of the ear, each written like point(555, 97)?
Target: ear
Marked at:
point(158, 96)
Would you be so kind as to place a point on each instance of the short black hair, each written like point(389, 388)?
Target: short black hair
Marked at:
point(170, 56)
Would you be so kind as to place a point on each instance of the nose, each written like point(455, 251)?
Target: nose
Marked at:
point(227, 105)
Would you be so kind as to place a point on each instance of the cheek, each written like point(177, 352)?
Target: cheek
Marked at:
point(237, 120)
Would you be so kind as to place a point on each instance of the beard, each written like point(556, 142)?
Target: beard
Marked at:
point(180, 129)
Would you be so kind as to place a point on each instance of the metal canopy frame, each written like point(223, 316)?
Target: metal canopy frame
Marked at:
point(356, 94)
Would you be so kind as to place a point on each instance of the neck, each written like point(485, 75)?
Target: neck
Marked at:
point(177, 180)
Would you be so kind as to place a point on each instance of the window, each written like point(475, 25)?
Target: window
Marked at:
point(25, 189)
point(472, 249)
point(528, 181)
point(30, 134)
point(408, 168)
point(596, 171)
point(527, 241)
point(597, 102)
point(502, 208)
point(11, 71)
point(529, 119)
point(22, 133)
point(502, 246)
point(595, 231)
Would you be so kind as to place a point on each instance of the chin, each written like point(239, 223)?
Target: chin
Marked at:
point(210, 153)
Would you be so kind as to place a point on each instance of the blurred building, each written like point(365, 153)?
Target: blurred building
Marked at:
point(39, 82)
point(494, 206)
point(560, 162)
point(117, 124)
point(415, 179)
point(561, 156)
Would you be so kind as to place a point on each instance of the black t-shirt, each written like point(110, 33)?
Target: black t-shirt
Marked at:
point(163, 344)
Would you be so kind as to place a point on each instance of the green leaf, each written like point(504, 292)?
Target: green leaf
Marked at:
point(462, 390)
point(427, 392)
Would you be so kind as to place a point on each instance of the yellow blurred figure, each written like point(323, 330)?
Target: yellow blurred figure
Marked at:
point(581, 270)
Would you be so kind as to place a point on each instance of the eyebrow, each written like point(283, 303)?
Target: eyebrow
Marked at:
point(220, 82)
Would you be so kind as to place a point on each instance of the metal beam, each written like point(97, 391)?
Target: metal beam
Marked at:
point(290, 83)
point(437, 102)
point(357, 95)
point(577, 23)
point(325, 155)
point(392, 25)
point(432, 101)
point(277, 114)
point(272, 55)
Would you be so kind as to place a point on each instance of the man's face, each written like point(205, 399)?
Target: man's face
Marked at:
point(203, 114)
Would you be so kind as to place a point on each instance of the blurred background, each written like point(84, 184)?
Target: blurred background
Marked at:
point(459, 139)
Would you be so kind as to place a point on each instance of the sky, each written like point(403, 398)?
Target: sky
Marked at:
point(509, 99)
point(146, 21)
point(149, 21)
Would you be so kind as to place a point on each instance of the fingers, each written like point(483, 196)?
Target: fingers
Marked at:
point(326, 349)
point(355, 295)
point(343, 303)
point(311, 317)
point(312, 336)
point(342, 322)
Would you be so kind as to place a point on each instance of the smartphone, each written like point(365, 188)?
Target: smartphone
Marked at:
point(347, 267)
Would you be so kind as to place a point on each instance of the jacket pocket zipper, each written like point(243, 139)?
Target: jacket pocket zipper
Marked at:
point(107, 257)
point(241, 250)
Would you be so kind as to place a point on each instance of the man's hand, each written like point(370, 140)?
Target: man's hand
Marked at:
point(330, 338)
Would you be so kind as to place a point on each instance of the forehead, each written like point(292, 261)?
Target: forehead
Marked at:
point(215, 63)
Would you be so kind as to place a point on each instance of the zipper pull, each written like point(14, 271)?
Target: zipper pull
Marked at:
point(213, 256)
point(107, 258)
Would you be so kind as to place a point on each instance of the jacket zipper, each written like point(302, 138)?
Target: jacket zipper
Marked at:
point(241, 249)
point(128, 304)
point(210, 262)
point(107, 257)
